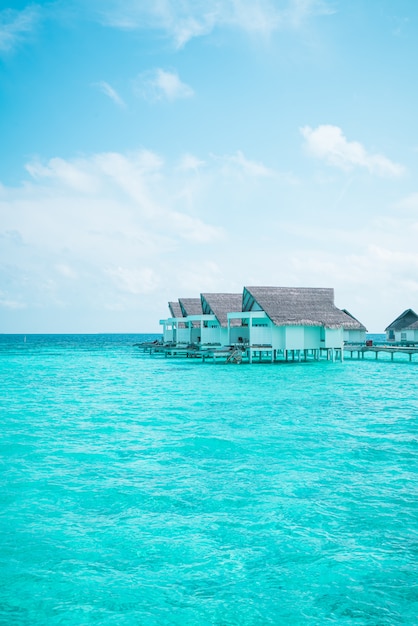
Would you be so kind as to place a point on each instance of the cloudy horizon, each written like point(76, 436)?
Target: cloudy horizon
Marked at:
point(156, 151)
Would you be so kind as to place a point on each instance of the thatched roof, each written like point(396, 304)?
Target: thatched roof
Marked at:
point(220, 304)
point(190, 306)
point(413, 326)
point(405, 320)
point(175, 309)
point(297, 306)
point(359, 326)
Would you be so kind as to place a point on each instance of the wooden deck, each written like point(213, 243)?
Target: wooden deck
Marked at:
point(264, 353)
point(239, 353)
point(359, 351)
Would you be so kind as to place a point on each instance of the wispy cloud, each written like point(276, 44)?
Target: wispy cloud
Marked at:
point(329, 144)
point(247, 166)
point(16, 26)
point(298, 11)
point(410, 203)
point(160, 84)
point(189, 162)
point(110, 92)
point(60, 172)
point(118, 231)
point(102, 230)
point(134, 180)
point(135, 281)
point(183, 20)
point(7, 303)
point(233, 165)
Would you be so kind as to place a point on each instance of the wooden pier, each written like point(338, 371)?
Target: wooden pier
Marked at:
point(266, 354)
point(360, 351)
point(240, 353)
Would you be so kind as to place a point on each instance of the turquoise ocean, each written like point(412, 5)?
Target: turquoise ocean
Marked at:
point(138, 490)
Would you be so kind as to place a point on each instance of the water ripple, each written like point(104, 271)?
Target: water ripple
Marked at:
point(140, 490)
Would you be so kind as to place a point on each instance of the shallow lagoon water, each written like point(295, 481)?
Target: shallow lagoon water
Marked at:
point(152, 491)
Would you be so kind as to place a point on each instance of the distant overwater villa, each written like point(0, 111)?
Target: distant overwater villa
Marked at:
point(274, 324)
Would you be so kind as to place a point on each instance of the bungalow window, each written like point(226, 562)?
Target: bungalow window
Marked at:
point(403, 336)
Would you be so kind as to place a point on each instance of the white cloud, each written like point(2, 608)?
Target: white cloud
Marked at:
point(12, 305)
point(125, 233)
point(329, 143)
point(59, 171)
point(190, 162)
point(96, 231)
point(160, 84)
point(239, 166)
point(134, 281)
point(194, 229)
point(409, 203)
point(240, 163)
point(183, 20)
point(66, 271)
point(111, 93)
point(15, 26)
point(299, 11)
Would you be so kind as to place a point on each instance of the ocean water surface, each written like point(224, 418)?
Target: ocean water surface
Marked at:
point(142, 490)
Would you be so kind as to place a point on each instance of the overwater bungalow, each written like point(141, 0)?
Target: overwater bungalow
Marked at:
point(404, 329)
point(214, 322)
point(178, 329)
point(284, 319)
point(201, 321)
point(272, 321)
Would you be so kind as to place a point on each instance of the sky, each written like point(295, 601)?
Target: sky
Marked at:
point(157, 149)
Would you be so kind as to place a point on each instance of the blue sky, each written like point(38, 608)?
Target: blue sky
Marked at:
point(159, 149)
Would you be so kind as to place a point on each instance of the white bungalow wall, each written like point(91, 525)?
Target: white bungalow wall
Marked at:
point(255, 328)
point(264, 332)
point(183, 335)
point(332, 338)
point(261, 332)
point(213, 333)
point(239, 334)
point(406, 335)
point(278, 339)
point(168, 330)
point(312, 337)
point(168, 335)
point(354, 336)
point(195, 334)
point(294, 338)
